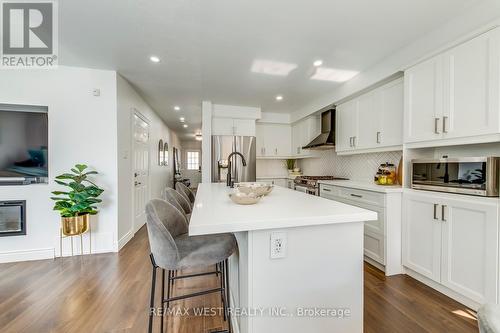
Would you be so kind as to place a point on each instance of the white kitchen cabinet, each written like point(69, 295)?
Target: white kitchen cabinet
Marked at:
point(372, 121)
point(455, 94)
point(452, 239)
point(346, 126)
point(382, 237)
point(422, 235)
point(282, 182)
point(471, 72)
point(273, 140)
point(232, 126)
point(469, 248)
point(303, 132)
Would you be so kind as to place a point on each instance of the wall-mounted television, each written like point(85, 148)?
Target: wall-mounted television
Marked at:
point(24, 144)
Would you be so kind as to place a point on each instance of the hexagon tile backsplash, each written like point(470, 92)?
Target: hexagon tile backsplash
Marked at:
point(360, 167)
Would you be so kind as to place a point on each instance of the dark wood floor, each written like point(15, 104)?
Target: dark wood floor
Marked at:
point(110, 292)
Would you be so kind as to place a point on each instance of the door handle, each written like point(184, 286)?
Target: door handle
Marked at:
point(444, 124)
point(443, 207)
point(436, 125)
point(435, 211)
point(378, 137)
point(356, 195)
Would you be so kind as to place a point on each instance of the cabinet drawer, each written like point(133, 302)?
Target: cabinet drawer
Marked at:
point(329, 191)
point(374, 246)
point(367, 197)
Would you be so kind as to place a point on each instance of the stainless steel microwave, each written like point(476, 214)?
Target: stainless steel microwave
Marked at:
point(467, 175)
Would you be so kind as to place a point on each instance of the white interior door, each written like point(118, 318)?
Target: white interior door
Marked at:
point(140, 169)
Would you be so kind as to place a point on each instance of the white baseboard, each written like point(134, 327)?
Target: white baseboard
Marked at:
point(137, 227)
point(27, 255)
point(125, 239)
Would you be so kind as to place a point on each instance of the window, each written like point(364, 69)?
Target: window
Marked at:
point(193, 160)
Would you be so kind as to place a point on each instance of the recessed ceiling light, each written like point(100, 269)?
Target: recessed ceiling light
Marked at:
point(279, 98)
point(177, 108)
point(182, 119)
point(333, 74)
point(318, 63)
point(154, 59)
point(185, 125)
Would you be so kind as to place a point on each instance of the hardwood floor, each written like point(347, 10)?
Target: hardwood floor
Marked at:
point(110, 293)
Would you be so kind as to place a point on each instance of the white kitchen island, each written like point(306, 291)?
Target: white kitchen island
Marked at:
point(316, 287)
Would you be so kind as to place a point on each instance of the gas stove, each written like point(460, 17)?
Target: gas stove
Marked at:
point(309, 184)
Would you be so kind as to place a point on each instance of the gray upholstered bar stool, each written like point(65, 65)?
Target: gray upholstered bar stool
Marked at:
point(184, 189)
point(179, 201)
point(173, 249)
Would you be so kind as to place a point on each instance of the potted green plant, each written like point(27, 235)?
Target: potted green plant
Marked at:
point(290, 164)
point(78, 201)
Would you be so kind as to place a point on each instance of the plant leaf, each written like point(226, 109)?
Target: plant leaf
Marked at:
point(81, 167)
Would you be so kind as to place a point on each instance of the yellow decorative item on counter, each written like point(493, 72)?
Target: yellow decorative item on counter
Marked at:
point(386, 174)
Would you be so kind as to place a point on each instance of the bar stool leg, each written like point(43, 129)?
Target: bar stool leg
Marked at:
point(228, 298)
point(223, 291)
point(152, 300)
point(162, 298)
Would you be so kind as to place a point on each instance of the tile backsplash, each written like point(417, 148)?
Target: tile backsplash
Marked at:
point(271, 168)
point(360, 167)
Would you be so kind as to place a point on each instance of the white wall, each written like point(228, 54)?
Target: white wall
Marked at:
point(160, 176)
point(82, 129)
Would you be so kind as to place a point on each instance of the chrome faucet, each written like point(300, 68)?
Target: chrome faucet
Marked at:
point(229, 181)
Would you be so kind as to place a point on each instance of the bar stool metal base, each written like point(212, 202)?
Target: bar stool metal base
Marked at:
point(222, 270)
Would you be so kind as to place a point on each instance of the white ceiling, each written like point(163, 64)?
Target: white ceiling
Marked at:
point(207, 47)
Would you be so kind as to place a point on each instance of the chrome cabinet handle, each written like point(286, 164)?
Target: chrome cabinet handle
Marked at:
point(378, 137)
point(327, 190)
point(443, 207)
point(275, 151)
point(354, 141)
point(356, 195)
point(435, 211)
point(444, 124)
point(350, 141)
point(436, 125)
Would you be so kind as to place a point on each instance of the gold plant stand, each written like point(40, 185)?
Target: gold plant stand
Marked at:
point(75, 226)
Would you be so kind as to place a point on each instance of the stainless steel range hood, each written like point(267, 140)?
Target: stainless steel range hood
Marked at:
point(326, 140)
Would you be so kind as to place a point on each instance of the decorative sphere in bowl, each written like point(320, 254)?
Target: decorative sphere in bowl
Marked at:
point(242, 198)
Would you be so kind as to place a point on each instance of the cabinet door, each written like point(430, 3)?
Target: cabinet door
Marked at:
point(389, 105)
point(260, 139)
point(470, 251)
point(421, 235)
point(244, 127)
point(279, 140)
point(296, 147)
point(472, 87)
point(346, 120)
point(424, 101)
point(368, 125)
point(374, 246)
point(222, 126)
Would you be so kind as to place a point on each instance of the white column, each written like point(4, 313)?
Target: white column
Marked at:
point(206, 147)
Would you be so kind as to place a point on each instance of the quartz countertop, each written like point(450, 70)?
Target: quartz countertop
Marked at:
point(364, 186)
point(214, 212)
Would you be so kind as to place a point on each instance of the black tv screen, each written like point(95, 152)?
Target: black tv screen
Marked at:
point(23, 145)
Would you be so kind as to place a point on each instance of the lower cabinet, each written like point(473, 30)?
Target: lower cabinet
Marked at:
point(453, 240)
point(382, 237)
point(282, 182)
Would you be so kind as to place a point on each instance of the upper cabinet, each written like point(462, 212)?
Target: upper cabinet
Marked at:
point(273, 140)
point(280, 141)
point(371, 122)
point(455, 94)
point(232, 126)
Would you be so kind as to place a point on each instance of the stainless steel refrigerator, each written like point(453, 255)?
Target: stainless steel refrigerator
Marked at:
point(222, 146)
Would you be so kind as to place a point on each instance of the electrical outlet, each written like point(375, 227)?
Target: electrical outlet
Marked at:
point(278, 245)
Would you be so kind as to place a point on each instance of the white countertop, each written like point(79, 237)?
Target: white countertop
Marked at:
point(364, 186)
point(277, 177)
point(214, 212)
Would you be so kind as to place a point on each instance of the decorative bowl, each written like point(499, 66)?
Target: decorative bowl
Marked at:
point(242, 198)
point(260, 189)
